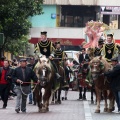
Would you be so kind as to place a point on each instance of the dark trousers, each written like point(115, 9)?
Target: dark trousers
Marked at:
point(84, 92)
point(4, 93)
point(117, 98)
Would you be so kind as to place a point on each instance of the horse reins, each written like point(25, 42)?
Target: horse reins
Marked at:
point(28, 83)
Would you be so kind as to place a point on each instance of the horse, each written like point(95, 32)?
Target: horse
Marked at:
point(56, 97)
point(98, 66)
point(45, 74)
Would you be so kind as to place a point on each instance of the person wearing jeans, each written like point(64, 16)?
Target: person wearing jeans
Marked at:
point(21, 75)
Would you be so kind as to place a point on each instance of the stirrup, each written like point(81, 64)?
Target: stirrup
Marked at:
point(57, 76)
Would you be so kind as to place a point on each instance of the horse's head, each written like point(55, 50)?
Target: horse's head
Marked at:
point(44, 71)
point(96, 67)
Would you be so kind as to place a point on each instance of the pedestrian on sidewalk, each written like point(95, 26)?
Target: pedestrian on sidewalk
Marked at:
point(68, 72)
point(114, 76)
point(21, 75)
point(5, 82)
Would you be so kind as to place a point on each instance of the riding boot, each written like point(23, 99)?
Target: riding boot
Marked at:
point(84, 94)
point(80, 92)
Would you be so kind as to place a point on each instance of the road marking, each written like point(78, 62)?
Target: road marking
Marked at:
point(88, 115)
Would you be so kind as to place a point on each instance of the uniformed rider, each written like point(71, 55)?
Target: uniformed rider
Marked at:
point(110, 49)
point(98, 49)
point(59, 53)
point(46, 47)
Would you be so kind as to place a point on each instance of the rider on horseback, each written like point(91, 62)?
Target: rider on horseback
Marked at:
point(45, 47)
point(110, 49)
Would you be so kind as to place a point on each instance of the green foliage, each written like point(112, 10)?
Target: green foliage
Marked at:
point(17, 47)
point(14, 21)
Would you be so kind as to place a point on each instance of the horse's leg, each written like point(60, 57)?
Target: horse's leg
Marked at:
point(92, 91)
point(53, 98)
point(111, 102)
point(46, 98)
point(98, 94)
point(105, 97)
point(38, 98)
point(56, 93)
point(59, 94)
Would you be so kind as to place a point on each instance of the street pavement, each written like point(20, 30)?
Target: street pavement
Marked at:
point(72, 109)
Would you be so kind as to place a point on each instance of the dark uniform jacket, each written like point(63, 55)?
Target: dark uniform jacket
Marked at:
point(45, 48)
point(97, 52)
point(25, 77)
point(110, 51)
point(114, 76)
point(82, 58)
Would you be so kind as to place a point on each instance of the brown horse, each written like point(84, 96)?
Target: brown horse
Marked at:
point(56, 97)
point(98, 66)
point(46, 74)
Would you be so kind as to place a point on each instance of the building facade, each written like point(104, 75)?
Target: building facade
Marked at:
point(65, 20)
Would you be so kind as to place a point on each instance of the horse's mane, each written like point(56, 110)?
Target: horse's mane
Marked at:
point(107, 66)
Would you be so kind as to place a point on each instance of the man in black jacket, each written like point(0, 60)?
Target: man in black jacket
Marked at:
point(83, 56)
point(114, 75)
point(21, 76)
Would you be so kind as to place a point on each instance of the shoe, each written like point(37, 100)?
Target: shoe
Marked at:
point(17, 110)
point(30, 103)
point(62, 98)
point(24, 111)
point(65, 98)
point(4, 107)
point(118, 112)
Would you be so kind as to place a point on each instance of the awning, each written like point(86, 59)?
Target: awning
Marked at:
point(63, 41)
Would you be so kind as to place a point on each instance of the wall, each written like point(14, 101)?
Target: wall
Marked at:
point(44, 20)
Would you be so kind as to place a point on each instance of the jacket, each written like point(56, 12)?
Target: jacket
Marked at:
point(29, 74)
point(114, 76)
point(82, 59)
point(8, 76)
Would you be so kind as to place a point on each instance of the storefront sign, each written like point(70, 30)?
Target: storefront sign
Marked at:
point(110, 10)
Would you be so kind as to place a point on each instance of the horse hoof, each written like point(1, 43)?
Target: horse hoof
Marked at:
point(105, 109)
point(109, 110)
point(59, 102)
point(44, 110)
point(47, 109)
point(56, 102)
point(113, 108)
point(97, 111)
point(52, 103)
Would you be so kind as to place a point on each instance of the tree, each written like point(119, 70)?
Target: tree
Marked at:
point(14, 21)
